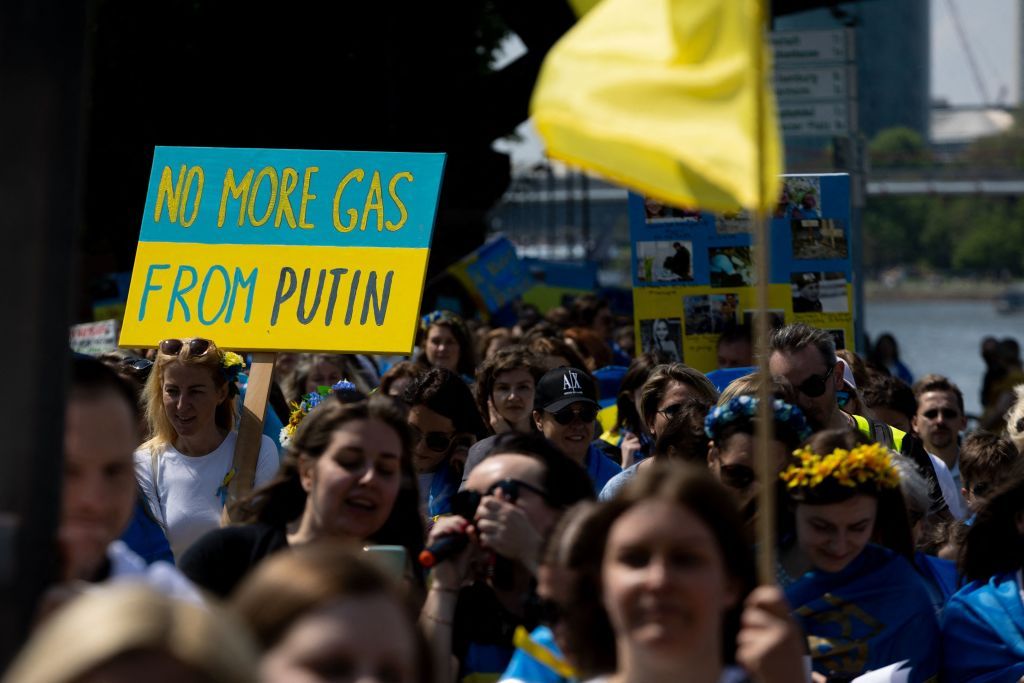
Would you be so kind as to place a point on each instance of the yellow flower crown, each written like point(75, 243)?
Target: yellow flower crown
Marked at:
point(862, 465)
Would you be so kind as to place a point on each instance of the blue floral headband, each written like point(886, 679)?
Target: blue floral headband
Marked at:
point(787, 416)
point(442, 316)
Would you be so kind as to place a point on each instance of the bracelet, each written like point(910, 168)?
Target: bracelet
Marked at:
point(439, 620)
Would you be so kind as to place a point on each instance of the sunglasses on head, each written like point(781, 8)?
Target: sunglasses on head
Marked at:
point(737, 476)
point(197, 346)
point(814, 386)
point(566, 415)
point(947, 413)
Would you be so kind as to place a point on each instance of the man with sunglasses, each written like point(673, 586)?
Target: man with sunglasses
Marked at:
point(806, 357)
point(940, 419)
point(479, 596)
point(565, 411)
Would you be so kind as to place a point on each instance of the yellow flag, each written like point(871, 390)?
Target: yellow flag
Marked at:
point(661, 96)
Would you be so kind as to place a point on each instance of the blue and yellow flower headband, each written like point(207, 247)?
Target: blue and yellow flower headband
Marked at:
point(787, 417)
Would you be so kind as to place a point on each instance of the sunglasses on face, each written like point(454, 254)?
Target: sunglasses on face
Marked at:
point(814, 386)
point(439, 442)
point(671, 411)
point(465, 503)
point(947, 413)
point(566, 415)
point(197, 346)
point(737, 476)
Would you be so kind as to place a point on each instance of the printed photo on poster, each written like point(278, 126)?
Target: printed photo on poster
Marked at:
point(667, 261)
point(819, 293)
point(734, 223)
point(731, 266)
point(710, 313)
point(818, 238)
point(662, 335)
point(840, 338)
point(776, 319)
point(800, 198)
point(656, 211)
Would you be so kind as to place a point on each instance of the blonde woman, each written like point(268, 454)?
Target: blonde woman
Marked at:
point(185, 467)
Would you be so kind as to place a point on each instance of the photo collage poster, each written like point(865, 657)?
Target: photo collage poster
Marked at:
point(694, 272)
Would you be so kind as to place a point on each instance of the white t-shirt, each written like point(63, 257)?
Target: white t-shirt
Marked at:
point(190, 496)
point(163, 577)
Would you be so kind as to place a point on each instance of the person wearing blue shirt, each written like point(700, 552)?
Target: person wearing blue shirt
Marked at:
point(983, 624)
point(862, 606)
point(565, 411)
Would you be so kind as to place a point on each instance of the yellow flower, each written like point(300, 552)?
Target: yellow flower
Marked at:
point(232, 359)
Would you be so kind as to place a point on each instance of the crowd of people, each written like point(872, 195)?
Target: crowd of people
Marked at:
point(538, 503)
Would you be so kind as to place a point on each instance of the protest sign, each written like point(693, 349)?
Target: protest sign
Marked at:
point(493, 274)
point(694, 276)
point(275, 250)
point(94, 338)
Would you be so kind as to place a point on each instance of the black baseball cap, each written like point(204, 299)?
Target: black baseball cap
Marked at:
point(562, 387)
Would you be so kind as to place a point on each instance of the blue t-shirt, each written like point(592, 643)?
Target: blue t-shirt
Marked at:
point(616, 483)
point(600, 468)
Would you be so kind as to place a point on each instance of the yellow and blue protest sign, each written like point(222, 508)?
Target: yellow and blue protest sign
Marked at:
point(284, 250)
point(694, 276)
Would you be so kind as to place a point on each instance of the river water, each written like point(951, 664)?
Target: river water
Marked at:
point(943, 336)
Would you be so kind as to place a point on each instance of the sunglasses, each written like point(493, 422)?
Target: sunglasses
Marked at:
point(566, 415)
point(737, 476)
point(197, 346)
point(465, 503)
point(981, 489)
point(672, 410)
point(439, 442)
point(814, 386)
point(947, 413)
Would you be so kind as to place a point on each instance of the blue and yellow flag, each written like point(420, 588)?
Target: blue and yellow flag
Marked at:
point(662, 96)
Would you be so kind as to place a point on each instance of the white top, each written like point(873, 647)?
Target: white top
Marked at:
point(162, 577)
point(190, 491)
point(950, 491)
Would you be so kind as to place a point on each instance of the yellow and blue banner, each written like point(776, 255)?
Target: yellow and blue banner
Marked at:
point(694, 276)
point(284, 250)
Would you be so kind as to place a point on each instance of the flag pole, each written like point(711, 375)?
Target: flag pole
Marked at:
point(765, 427)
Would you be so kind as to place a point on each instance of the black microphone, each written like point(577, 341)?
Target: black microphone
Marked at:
point(442, 549)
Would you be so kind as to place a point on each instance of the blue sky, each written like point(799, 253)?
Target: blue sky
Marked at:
point(991, 29)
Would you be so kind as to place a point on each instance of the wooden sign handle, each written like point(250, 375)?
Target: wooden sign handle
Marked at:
point(250, 431)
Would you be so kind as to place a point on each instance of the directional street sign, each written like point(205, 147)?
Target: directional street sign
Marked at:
point(805, 84)
point(814, 119)
point(799, 48)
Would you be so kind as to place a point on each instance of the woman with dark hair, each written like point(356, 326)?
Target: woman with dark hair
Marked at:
point(445, 423)
point(347, 474)
point(862, 606)
point(676, 574)
point(886, 354)
point(447, 343)
point(324, 612)
point(731, 428)
point(983, 624)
